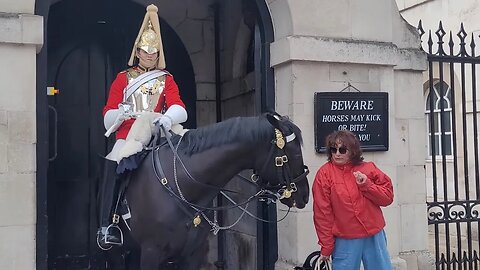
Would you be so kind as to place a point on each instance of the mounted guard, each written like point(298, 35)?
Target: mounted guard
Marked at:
point(140, 97)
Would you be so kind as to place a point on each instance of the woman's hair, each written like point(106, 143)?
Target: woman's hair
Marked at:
point(347, 139)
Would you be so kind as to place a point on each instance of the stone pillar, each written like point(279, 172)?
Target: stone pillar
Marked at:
point(321, 46)
point(21, 37)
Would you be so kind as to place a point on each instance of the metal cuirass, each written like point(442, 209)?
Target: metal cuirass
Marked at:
point(146, 96)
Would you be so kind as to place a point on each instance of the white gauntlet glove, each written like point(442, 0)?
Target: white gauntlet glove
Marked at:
point(115, 117)
point(166, 122)
point(176, 114)
point(126, 109)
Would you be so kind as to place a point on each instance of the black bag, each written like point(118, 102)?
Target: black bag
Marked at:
point(311, 261)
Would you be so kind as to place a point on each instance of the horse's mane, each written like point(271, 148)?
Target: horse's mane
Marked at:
point(234, 130)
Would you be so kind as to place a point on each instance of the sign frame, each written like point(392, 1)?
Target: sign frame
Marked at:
point(376, 103)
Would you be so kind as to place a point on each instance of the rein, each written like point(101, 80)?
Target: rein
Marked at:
point(284, 188)
point(177, 157)
point(159, 173)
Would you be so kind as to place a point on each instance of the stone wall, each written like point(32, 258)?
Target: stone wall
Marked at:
point(21, 36)
point(370, 46)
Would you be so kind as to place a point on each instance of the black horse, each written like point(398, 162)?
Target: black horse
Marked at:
point(168, 206)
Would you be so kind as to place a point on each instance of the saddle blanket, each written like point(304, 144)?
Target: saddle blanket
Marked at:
point(138, 137)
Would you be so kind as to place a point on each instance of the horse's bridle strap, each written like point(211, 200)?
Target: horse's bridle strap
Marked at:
point(177, 157)
point(160, 174)
point(281, 162)
point(157, 168)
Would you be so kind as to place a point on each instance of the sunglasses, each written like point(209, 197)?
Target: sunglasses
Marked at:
point(342, 150)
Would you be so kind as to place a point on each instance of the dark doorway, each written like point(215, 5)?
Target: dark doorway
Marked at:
point(89, 42)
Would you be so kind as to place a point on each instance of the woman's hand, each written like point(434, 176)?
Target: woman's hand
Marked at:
point(324, 258)
point(360, 177)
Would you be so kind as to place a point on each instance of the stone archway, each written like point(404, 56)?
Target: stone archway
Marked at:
point(82, 53)
point(203, 78)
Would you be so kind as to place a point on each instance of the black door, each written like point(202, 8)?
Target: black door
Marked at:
point(75, 151)
point(77, 67)
point(80, 68)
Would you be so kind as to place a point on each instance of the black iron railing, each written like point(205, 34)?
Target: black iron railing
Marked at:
point(453, 205)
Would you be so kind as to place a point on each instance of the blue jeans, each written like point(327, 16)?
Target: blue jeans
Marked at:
point(372, 251)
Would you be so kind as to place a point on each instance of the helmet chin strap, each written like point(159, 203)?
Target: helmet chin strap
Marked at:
point(152, 66)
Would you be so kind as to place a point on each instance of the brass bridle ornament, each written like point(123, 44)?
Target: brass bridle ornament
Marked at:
point(286, 186)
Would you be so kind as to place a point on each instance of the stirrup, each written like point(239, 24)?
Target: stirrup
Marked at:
point(113, 227)
point(101, 244)
point(102, 238)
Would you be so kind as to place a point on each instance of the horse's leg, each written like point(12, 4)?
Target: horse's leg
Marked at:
point(150, 257)
point(196, 259)
point(131, 252)
point(116, 258)
point(132, 260)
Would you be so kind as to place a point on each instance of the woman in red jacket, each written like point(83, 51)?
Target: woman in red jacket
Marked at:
point(347, 196)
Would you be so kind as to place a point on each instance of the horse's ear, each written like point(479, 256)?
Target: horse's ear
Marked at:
point(274, 119)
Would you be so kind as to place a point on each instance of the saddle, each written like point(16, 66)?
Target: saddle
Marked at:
point(311, 263)
point(132, 162)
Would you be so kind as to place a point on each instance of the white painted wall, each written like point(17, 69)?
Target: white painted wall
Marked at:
point(450, 12)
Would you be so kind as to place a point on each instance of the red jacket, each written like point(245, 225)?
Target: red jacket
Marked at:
point(169, 96)
point(343, 208)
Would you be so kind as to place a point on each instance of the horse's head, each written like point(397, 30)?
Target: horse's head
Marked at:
point(284, 168)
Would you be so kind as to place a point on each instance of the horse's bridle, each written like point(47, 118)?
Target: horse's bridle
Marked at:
point(283, 189)
point(286, 183)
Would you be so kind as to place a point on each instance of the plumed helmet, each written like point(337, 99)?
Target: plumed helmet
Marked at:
point(149, 38)
point(149, 41)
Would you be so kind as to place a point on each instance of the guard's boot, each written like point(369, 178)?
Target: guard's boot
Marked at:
point(109, 233)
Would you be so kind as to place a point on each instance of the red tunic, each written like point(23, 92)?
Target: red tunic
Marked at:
point(169, 97)
point(343, 208)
